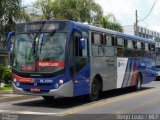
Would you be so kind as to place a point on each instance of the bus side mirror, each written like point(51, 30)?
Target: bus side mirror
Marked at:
point(82, 40)
point(82, 43)
point(10, 40)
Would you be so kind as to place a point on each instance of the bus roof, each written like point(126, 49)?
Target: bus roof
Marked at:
point(98, 29)
point(141, 39)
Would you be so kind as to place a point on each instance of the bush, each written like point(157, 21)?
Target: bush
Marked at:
point(5, 74)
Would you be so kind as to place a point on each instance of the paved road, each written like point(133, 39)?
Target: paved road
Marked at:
point(7, 96)
point(115, 104)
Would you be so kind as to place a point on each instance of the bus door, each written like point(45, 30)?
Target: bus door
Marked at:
point(81, 72)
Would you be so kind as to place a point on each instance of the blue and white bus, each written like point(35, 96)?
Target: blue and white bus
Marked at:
point(67, 58)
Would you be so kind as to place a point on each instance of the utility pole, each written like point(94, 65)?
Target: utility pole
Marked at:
point(136, 24)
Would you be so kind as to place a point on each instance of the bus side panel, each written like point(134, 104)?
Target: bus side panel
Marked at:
point(107, 70)
point(138, 65)
point(123, 72)
point(128, 68)
point(81, 83)
point(150, 71)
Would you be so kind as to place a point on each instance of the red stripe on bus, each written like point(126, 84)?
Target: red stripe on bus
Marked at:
point(134, 75)
point(21, 79)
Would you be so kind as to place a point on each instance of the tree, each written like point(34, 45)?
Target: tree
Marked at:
point(109, 22)
point(46, 6)
point(116, 26)
point(77, 10)
point(11, 13)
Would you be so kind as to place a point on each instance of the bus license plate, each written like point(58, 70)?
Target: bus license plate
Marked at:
point(35, 90)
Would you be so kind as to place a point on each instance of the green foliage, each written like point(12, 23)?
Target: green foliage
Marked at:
point(11, 13)
point(46, 6)
point(5, 74)
point(6, 88)
point(109, 22)
point(77, 10)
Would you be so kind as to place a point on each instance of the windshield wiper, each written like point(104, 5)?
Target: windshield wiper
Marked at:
point(43, 42)
point(33, 49)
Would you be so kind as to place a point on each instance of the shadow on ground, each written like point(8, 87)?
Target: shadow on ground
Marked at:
point(65, 103)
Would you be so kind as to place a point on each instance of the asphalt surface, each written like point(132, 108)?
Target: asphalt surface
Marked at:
point(120, 104)
point(8, 96)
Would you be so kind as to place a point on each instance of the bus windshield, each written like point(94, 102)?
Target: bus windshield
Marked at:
point(39, 52)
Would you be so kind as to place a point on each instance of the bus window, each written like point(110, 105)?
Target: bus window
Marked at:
point(100, 51)
point(139, 45)
point(92, 38)
point(109, 51)
point(146, 47)
point(152, 47)
point(153, 53)
point(120, 42)
point(130, 53)
point(71, 56)
point(97, 50)
point(120, 52)
point(134, 44)
point(108, 40)
point(125, 43)
point(130, 44)
point(97, 38)
point(85, 51)
point(148, 53)
point(143, 46)
point(139, 53)
point(81, 54)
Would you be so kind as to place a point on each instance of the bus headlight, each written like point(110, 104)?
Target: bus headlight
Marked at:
point(61, 81)
point(56, 86)
point(14, 80)
point(17, 84)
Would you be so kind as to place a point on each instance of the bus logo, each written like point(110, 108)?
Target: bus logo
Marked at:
point(50, 64)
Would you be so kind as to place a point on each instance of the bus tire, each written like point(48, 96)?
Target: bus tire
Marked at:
point(48, 98)
point(138, 85)
point(95, 90)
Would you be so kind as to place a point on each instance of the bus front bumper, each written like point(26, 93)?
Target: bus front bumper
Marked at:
point(65, 90)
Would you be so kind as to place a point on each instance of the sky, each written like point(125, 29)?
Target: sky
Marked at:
point(124, 11)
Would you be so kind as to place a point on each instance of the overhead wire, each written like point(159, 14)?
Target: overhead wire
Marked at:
point(154, 3)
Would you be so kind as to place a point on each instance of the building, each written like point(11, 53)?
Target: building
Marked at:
point(143, 32)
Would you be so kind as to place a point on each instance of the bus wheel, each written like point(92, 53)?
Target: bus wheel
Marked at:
point(95, 89)
point(48, 98)
point(138, 82)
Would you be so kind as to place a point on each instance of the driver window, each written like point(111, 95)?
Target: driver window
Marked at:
point(81, 54)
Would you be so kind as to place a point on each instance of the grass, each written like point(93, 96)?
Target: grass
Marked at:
point(6, 88)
